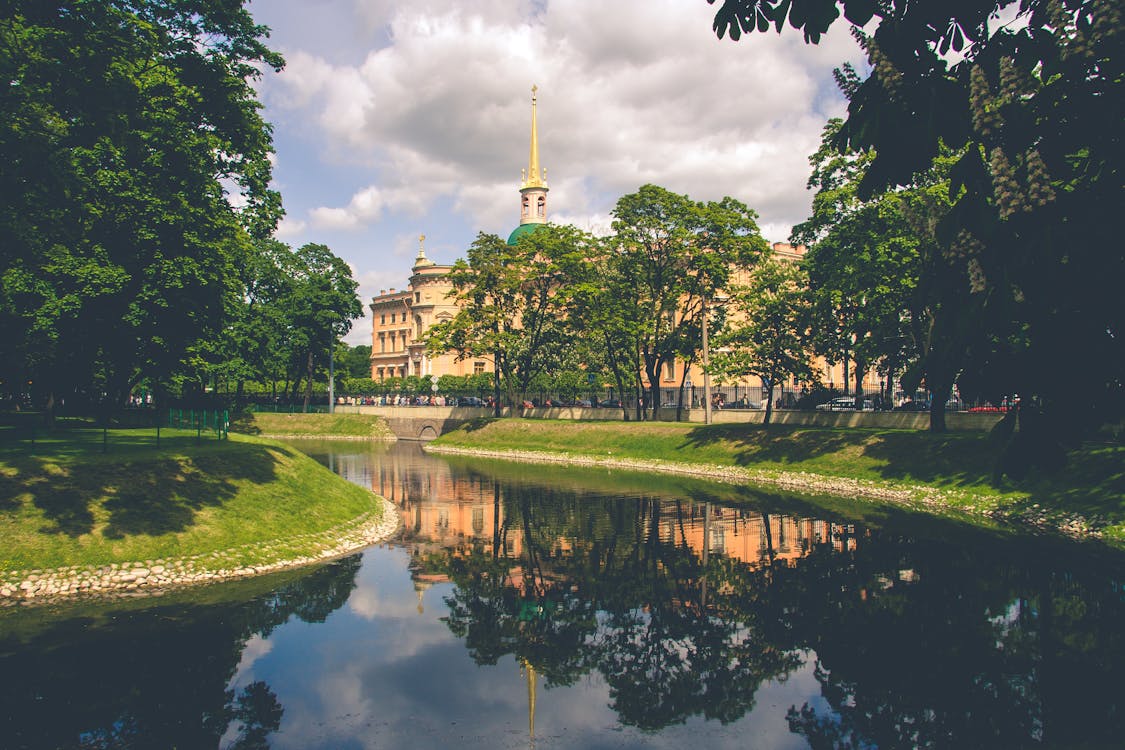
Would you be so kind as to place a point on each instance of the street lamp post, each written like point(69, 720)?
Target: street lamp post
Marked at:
point(331, 375)
point(706, 364)
point(496, 382)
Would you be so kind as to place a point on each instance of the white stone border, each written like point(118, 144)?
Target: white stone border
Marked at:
point(150, 577)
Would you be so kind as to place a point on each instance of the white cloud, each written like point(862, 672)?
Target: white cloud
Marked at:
point(256, 647)
point(289, 228)
point(631, 92)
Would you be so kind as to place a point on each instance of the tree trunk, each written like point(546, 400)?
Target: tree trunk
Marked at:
point(308, 381)
point(769, 536)
point(937, 415)
point(769, 402)
point(859, 373)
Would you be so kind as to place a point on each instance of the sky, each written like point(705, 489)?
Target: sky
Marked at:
point(394, 120)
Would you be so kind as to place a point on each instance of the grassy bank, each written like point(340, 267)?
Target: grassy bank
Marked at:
point(64, 503)
point(954, 471)
point(325, 426)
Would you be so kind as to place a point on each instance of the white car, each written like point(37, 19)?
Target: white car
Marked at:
point(844, 403)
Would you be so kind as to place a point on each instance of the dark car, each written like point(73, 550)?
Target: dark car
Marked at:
point(611, 403)
point(469, 401)
point(743, 403)
point(912, 406)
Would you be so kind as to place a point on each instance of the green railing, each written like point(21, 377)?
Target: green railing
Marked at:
point(201, 420)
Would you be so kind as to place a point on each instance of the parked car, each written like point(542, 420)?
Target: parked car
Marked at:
point(470, 401)
point(987, 409)
point(743, 403)
point(611, 403)
point(912, 406)
point(844, 403)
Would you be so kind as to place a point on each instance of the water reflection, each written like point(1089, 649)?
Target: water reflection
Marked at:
point(686, 608)
point(542, 606)
point(126, 677)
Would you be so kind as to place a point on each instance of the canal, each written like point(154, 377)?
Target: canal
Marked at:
point(541, 606)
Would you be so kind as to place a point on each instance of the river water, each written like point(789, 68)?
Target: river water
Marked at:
point(526, 606)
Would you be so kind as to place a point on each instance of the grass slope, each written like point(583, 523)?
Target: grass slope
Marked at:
point(960, 465)
point(313, 425)
point(65, 503)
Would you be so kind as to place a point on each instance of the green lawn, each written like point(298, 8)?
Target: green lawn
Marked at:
point(961, 465)
point(313, 425)
point(64, 502)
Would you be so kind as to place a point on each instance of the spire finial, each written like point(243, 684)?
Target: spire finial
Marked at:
point(422, 260)
point(534, 177)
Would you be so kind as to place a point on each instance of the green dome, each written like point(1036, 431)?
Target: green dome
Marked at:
point(520, 231)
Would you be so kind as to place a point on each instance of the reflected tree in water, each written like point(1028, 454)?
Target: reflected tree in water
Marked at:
point(936, 656)
point(156, 677)
point(913, 646)
point(258, 713)
point(620, 601)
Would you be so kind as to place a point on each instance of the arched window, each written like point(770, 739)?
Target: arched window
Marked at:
point(542, 206)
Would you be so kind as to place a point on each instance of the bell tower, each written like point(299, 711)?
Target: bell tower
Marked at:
point(533, 188)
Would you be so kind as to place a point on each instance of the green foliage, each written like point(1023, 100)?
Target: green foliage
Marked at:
point(119, 247)
point(292, 311)
point(1032, 108)
point(883, 292)
point(353, 361)
point(767, 330)
point(670, 256)
point(514, 302)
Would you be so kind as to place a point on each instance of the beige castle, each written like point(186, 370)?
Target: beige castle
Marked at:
point(400, 319)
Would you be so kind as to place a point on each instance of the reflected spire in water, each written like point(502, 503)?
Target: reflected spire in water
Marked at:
point(532, 679)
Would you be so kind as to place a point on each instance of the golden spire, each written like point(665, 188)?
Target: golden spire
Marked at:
point(535, 177)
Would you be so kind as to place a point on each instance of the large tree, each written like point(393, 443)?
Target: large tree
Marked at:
point(767, 332)
point(1032, 103)
point(679, 255)
point(513, 302)
point(607, 307)
point(123, 125)
point(884, 290)
point(322, 305)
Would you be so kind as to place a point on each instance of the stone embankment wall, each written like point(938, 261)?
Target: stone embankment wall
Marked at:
point(427, 422)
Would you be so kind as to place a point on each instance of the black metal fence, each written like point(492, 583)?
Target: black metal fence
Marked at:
point(734, 397)
point(119, 429)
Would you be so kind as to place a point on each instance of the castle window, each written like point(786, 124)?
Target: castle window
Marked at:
point(542, 206)
point(478, 368)
point(383, 319)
